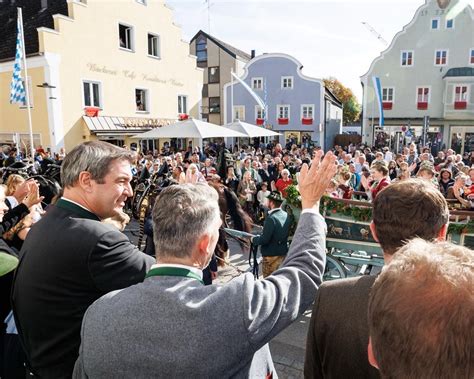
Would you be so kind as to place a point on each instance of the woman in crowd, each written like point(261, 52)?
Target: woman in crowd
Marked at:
point(231, 180)
point(179, 175)
point(193, 175)
point(246, 192)
point(282, 183)
point(378, 172)
point(445, 181)
point(15, 192)
point(457, 191)
point(392, 170)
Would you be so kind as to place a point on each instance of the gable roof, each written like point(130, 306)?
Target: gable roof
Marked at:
point(33, 18)
point(225, 46)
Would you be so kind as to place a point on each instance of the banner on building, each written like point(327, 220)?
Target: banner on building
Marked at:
point(378, 95)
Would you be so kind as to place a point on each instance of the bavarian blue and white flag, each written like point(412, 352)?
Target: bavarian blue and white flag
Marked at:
point(378, 94)
point(17, 90)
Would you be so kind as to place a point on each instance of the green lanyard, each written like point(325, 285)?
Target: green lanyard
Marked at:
point(173, 271)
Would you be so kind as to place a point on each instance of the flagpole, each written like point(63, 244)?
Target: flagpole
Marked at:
point(32, 146)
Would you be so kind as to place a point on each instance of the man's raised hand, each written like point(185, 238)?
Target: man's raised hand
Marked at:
point(315, 179)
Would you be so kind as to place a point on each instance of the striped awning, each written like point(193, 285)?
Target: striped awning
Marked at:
point(123, 125)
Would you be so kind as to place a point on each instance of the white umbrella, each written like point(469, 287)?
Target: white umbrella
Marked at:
point(190, 129)
point(250, 130)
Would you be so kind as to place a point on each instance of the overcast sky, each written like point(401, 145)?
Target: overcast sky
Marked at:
point(326, 36)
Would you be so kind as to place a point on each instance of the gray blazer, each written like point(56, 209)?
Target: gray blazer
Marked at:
point(174, 327)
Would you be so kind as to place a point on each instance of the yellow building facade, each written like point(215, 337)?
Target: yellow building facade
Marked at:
point(127, 59)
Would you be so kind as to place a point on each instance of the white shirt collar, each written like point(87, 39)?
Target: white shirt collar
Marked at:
point(190, 268)
point(79, 205)
point(273, 210)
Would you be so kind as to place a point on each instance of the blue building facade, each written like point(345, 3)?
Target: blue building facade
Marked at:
point(297, 106)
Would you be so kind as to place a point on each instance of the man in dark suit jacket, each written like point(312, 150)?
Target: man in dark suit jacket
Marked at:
point(273, 241)
point(338, 334)
point(70, 258)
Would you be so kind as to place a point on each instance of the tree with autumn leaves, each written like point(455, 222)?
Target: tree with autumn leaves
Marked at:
point(351, 106)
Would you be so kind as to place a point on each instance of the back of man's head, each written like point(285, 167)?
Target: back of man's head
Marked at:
point(181, 215)
point(421, 313)
point(408, 209)
point(94, 157)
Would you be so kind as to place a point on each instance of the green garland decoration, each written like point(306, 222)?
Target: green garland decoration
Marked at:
point(330, 205)
point(461, 228)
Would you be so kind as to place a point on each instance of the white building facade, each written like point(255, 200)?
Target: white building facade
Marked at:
point(428, 70)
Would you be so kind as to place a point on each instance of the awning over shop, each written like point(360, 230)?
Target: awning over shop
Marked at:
point(110, 125)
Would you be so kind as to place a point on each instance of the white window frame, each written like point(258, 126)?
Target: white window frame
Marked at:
point(439, 23)
point(280, 107)
point(259, 109)
point(180, 104)
point(147, 100)
point(309, 106)
point(429, 94)
point(158, 45)
point(283, 78)
point(388, 90)
point(91, 82)
point(447, 58)
point(257, 79)
point(240, 109)
point(412, 58)
point(132, 37)
point(471, 56)
point(446, 24)
point(467, 91)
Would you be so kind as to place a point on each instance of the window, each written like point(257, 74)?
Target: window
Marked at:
point(460, 93)
point(435, 23)
point(387, 94)
point(201, 49)
point(126, 37)
point(287, 82)
point(182, 104)
point(407, 58)
point(441, 57)
point(257, 83)
point(213, 74)
point(92, 94)
point(259, 112)
point(307, 111)
point(422, 97)
point(239, 112)
point(214, 105)
point(460, 97)
point(450, 23)
point(154, 45)
point(471, 56)
point(141, 100)
point(283, 111)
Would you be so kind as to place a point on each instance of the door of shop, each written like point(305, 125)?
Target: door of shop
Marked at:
point(462, 139)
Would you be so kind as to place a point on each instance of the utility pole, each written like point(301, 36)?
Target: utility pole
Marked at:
point(375, 33)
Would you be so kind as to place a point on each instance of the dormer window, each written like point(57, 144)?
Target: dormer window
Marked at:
point(407, 58)
point(287, 82)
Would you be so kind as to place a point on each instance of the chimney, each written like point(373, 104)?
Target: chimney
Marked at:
point(252, 54)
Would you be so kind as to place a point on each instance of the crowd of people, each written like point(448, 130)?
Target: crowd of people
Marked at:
point(86, 303)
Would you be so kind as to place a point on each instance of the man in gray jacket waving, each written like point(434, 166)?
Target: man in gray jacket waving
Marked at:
point(166, 326)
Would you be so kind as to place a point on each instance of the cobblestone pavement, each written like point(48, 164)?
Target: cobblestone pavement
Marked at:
point(287, 348)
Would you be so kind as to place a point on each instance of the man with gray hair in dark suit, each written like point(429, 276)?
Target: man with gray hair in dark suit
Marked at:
point(166, 326)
